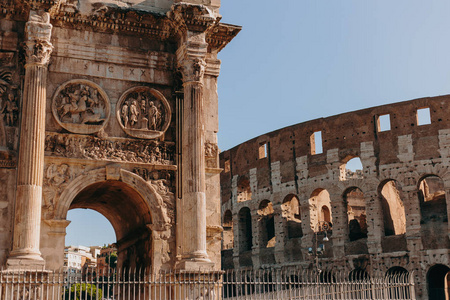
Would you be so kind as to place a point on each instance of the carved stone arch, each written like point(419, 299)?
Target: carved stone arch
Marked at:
point(152, 199)
point(366, 185)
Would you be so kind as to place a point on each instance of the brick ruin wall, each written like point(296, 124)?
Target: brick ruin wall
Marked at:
point(277, 189)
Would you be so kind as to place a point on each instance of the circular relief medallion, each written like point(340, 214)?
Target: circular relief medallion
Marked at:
point(143, 112)
point(81, 106)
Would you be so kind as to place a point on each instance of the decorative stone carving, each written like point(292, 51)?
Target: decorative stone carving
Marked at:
point(38, 52)
point(81, 106)
point(211, 151)
point(9, 109)
point(143, 112)
point(162, 182)
point(56, 178)
point(123, 150)
point(193, 69)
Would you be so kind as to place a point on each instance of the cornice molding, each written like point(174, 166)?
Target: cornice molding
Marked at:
point(182, 17)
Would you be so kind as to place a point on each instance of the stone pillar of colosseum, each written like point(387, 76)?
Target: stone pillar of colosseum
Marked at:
point(256, 245)
point(280, 231)
point(340, 224)
point(412, 210)
point(374, 234)
point(193, 22)
point(27, 221)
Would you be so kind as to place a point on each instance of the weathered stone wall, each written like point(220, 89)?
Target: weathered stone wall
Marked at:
point(408, 154)
point(111, 106)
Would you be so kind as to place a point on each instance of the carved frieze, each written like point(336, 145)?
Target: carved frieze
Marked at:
point(9, 108)
point(163, 183)
point(211, 152)
point(121, 150)
point(81, 106)
point(143, 112)
point(56, 178)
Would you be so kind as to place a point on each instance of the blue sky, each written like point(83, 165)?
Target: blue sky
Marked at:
point(297, 60)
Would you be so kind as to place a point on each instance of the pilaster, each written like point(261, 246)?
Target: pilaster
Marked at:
point(27, 222)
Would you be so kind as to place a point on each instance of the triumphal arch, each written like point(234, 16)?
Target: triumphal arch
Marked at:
point(111, 106)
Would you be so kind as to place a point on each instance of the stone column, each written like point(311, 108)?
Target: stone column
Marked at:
point(27, 221)
point(191, 56)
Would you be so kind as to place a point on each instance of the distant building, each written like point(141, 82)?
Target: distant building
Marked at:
point(103, 259)
point(81, 259)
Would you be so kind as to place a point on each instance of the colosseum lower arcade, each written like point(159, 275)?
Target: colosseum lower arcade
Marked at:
point(288, 198)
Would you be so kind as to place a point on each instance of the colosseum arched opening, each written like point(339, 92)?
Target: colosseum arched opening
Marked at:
point(394, 218)
point(433, 211)
point(438, 282)
point(227, 234)
point(319, 208)
point(292, 217)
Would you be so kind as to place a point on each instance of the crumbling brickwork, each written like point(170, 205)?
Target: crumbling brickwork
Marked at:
point(390, 216)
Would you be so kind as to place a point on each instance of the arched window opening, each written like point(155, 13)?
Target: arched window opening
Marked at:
point(326, 214)
point(291, 212)
point(245, 230)
point(352, 169)
point(227, 234)
point(320, 208)
point(433, 206)
point(267, 224)
point(244, 191)
point(393, 209)
point(396, 271)
point(356, 211)
point(437, 282)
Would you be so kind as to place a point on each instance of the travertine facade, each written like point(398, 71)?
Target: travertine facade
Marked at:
point(111, 106)
point(277, 190)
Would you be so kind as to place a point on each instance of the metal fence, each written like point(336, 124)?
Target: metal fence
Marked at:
point(242, 284)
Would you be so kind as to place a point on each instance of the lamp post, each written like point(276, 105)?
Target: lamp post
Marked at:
point(321, 226)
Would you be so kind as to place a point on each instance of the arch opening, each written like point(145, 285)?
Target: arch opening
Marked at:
point(437, 284)
point(292, 214)
point(128, 214)
point(356, 211)
point(245, 230)
point(433, 211)
point(227, 234)
point(244, 191)
point(352, 168)
point(266, 224)
point(394, 217)
point(320, 208)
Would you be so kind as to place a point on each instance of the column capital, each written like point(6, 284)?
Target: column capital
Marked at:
point(193, 69)
point(192, 17)
point(37, 43)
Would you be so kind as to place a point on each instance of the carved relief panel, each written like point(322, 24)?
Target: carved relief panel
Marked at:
point(143, 112)
point(81, 106)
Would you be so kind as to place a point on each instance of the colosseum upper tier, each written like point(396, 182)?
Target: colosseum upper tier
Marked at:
point(288, 199)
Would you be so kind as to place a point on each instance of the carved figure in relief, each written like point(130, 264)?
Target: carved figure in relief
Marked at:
point(143, 112)
point(154, 116)
point(10, 109)
point(78, 103)
point(102, 149)
point(134, 112)
point(124, 113)
point(55, 180)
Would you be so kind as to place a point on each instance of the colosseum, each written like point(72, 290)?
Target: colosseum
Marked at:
point(288, 198)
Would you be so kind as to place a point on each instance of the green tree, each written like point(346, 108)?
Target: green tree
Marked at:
point(83, 291)
point(111, 260)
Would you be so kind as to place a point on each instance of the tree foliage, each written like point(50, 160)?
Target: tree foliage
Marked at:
point(83, 291)
point(111, 260)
